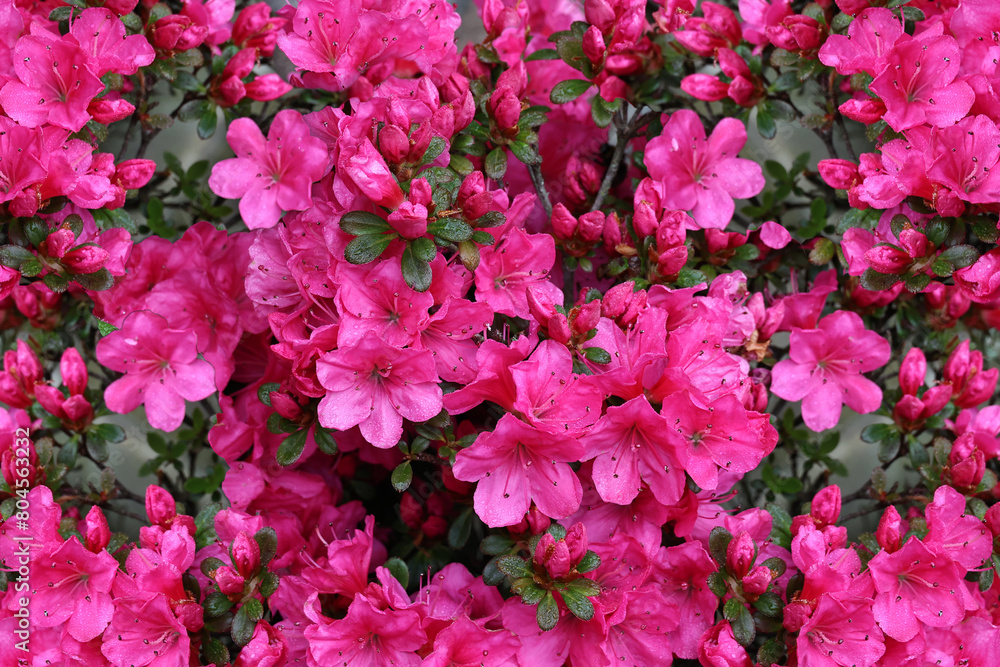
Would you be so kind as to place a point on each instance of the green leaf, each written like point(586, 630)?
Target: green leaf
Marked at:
point(877, 432)
point(741, 621)
point(888, 449)
point(13, 256)
point(916, 284)
point(246, 620)
point(543, 54)
point(186, 81)
point(822, 252)
point(61, 14)
point(530, 592)
point(496, 544)
point(597, 355)
point(97, 281)
point(365, 249)
point(400, 572)
point(769, 604)
point(496, 163)
point(461, 528)
point(423, 249)
point(269, 584)
point(602, 112)
point(325, 441)
point(959, 256)
point(208, 122)
point(188, 112)
point(718, 543)
point(468, 252)
point(525, 152)
point(513, 566)
point(569, 90)
point(402, 476)
point(874, 281)
point(416, 272)
point(267, 540)
point(547, 614)
point(483, 238)
point(277, 424)
point(590, 562)
point(434, 149)
point(765, 123)
point(772, 652)
point(491, 219)
point(109, 432)
point(361, 223)
point(717, 584)
point(264, 392)
point(452, 230)
point(291, 448)
point(578, 603)
point(216, 604)
point(781, 524)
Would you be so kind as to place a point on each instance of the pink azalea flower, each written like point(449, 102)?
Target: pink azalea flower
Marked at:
point(507, 269)
point(380, 301)
point(516, 465)
point(951, 530)
point(54, 83)
point(630, 445)
point(449, 336)
point(375, 385)
point(369, 636)
point(841, 631)
point(102, 35)
point(916, 585)
point(21, 158)
point(146, 631)
point(273, 175)
point(825, 366)
point(71, 586)
point(550, 396)
point(702, 175)
point(467, 644)
point(868, 39)
point(161, 367)
point(917, 83)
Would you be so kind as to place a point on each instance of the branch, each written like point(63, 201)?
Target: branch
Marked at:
point(626, 132)
point(539, 182)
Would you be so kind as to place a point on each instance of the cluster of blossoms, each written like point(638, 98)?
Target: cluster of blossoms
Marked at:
point(479, 354)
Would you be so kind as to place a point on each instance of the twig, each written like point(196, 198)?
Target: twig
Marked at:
point(626, 132)
point(539, 182)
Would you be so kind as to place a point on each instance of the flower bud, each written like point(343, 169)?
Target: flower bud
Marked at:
point(744, 92)
point(839, 174)
point(912, 371)
point(865, 111)
point(285, 405)
point(890, 530)
point(51, 399)
point(133, 174)
point(394, 144)
point(506, 108)
point(106, 111)
point(576, 540)
point(245, 554)
point(741, 554)
point(914, 242)
point(267, 87)
point(599, 14)
point(564, 224)
point(795, 615)
point(540, 305)
point(591, 226)
point(593, 45)
point(79, 412)
point(992, 520)
point(732, 64)
point(586, 317)
point(826, 506)
point(553, 556)
point(705, 87)
point(958, 366)
point(558, 329)
point(96, 533)
point(85, 259)
point(255, 27)
point(757, 581)
point(537, 520)
point(616, 299)
point(160, 505)
point(888, 259)
point(229, 581)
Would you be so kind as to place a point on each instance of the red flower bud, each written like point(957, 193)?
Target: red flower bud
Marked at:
point(107, 111)
point(890, 530)
point(160, 505)
point(757, 581)
point(865, 111)
point(133, 174)
point(576, 540)
point(285, 405)
point(912, 371)
point(85, 259)
point(267, 87)
point(826, 506)
point(229, 581)
point(741, 554)
point(564, 224)
point(553, 556)
point(593, 45)
point(705, 87)
point(591, 226)
point(888, 259)
point(839, 174)
point(586, 317)
point(245, 554)
point(96, 533)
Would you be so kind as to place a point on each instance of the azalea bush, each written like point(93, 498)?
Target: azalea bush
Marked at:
point(502, 353)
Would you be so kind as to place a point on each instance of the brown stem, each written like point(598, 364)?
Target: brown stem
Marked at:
point(539, 182)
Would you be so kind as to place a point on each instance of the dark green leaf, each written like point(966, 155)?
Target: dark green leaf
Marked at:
point(267, 540)
point(548, 612)
point(877, 432)
point(98, 281)
point(402, 476)
point(423, 249)
point(496, 163)
point(416, 272)
point(765, 123)
point(525, 152)
point(542, 54)
point(888, 449)
point(291, 447)
point(264, 392)
point(597, 355)
point(874, 281)
point(590, 562)
point(718, 543)
point(216, 605)
point(109, 432)
point(578, 603)
point(513, 566)
point(530, 592)
point(365, 249)
point(916, 284)
point(960, 256)
point(400, 572)
point(601, 111)
point(495, 544)
point(325, 441)
point(208, 122)
point(569, 90)
point(61, 14)
point(460, 529)
point(13, 256)
point(741, 621)
point(360, 223)
point(269, 584)
point(434, 149)
point(452, 230)
point(491, 219)
point(483, 238)
point(246, 620)
point(769, 604)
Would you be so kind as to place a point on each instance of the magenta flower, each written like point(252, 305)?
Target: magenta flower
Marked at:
point(161, 367)
point(273, 175)
point(379, 300)
point(368, 635)
point(72, 586)
point(825, 367)
point(702, 175)
point(143, 631)
point(54, 84)
point(633, 444)
point(916, 585)
point(516, 465)
point(841, 631)
point(375, 385)
point(507, 269)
